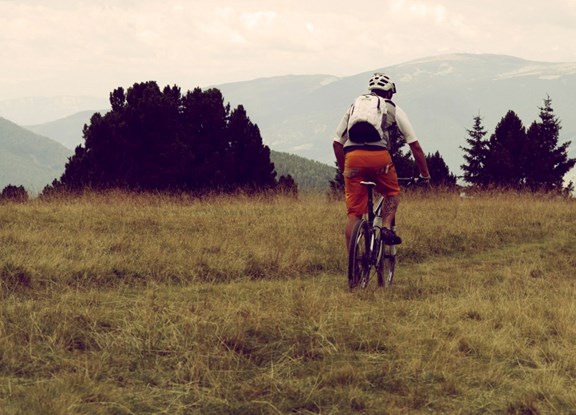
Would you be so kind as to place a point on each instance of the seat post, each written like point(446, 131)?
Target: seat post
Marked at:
point(370, 186)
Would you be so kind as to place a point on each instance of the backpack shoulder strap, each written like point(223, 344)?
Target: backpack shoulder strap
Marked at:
point(378, 99)
point(390, 114)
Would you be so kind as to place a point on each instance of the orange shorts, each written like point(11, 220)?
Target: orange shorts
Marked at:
point(365, 165)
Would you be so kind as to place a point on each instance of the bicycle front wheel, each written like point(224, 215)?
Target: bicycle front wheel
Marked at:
point(359, 254)
point(386, 265)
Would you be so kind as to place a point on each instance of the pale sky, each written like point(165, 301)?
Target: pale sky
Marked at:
point(90, 47)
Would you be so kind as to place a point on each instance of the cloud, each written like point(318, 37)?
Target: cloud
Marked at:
point(105, 43)
point(255, 20)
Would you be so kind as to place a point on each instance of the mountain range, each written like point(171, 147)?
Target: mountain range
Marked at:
point(441, 95)
point(297, 114)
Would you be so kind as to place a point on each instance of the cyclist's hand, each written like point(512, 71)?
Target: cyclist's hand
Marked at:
point(422, 181)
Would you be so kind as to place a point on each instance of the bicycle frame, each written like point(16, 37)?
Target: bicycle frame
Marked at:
point(372, 213)
point(388, 251)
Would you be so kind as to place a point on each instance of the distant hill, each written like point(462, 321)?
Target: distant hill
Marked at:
point(39, 110)
point(67, 131)
point(27, 159)
point(310, 175)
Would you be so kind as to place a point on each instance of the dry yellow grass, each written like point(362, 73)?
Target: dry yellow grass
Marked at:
point(119, 304)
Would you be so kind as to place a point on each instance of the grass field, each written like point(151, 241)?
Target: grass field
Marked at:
point(118, 304)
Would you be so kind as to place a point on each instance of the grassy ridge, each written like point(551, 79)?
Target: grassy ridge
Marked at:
point(115, 304)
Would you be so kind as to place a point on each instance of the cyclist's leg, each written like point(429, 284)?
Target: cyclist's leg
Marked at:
point(356, 194)
point(389, 209)
point(387, 184)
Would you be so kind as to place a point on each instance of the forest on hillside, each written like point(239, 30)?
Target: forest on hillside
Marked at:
point(310, 175)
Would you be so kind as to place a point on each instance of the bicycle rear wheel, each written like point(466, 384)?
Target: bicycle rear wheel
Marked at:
point(359, 255)
point(386, 265)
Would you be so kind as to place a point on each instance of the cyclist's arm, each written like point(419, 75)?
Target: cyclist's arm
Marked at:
point(405, 126)
point(339, 153)
point(420, 158)
point(340, 139)
point(407, 131)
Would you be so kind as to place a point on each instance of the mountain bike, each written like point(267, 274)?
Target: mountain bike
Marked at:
point(367, 252)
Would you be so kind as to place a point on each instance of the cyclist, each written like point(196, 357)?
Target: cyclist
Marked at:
point(363, 155)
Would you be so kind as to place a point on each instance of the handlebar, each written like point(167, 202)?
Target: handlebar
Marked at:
point(410, 181)
point(404, 181)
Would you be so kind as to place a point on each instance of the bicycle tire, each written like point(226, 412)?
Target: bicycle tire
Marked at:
point(358, 254)
point(386, 266)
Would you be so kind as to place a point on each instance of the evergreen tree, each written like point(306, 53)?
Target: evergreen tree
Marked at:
point(203, 136)
point(287, 186)
point(505, 164)
point(476, 154)
point(13, 193)
point(250, 161)
point(546, 162)
point(404, 164)
point(439, 171)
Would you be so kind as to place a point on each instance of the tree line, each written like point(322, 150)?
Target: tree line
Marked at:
point(164, 140)
point(516, 158)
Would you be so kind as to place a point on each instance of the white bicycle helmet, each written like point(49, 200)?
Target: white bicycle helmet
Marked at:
point(381, 82)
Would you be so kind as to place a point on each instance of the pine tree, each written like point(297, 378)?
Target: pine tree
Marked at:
point(504, 164)
point(404, 164)
point(476, 154)
point(250, 161)
point(287, 186)
point(205, 156)
point(546, 162)
point(14, 193)
point(441, 175)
